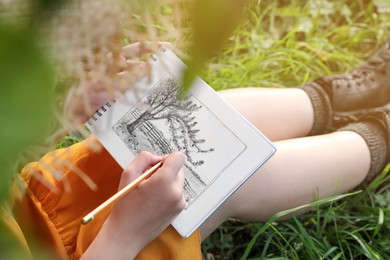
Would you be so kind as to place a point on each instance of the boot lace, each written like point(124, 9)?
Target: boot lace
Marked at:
point(378, 63)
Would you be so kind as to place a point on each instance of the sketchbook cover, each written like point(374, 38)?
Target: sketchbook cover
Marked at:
point(223, 149)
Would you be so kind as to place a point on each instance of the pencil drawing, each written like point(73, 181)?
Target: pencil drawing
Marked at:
point(162, 123)
point(139, 130)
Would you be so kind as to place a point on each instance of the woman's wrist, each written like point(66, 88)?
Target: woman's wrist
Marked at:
point(113, 243)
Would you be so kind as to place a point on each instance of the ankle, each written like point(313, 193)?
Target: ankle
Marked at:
point(374, 135)
point(321, 106)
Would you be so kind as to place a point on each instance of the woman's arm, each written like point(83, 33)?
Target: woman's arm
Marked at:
point(140, 216)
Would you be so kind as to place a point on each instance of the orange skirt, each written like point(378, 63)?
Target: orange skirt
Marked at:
point(51, 208)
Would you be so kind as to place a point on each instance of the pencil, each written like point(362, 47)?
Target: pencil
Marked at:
point(121, 193)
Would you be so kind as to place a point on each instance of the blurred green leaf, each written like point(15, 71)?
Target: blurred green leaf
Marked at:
point(26, 92)
point(213, 24)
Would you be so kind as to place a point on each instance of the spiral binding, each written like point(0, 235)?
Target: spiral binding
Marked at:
point(154, 57)
point(99, 113)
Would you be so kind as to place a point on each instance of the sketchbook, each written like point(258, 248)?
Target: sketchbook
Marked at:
point(223, 149)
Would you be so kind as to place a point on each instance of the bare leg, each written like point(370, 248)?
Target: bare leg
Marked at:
point(279, 113)
point(301, 171)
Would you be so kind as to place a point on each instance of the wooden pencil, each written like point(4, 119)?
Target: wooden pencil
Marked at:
point(121, 193)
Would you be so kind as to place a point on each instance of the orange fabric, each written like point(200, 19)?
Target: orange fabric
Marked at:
point(57, 208)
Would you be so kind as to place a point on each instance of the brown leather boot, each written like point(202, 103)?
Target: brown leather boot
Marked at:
point(367, 86)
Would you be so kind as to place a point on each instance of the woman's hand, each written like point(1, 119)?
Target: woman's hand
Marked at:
point(142, 214)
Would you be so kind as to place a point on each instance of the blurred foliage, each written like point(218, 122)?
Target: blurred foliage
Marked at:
point(212, 24)
point(26, 92)
point(27, 82)
point(26, 87)
point(70, 139)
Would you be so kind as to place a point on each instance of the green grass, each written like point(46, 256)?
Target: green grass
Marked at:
point(286, 43)
point(350, 226)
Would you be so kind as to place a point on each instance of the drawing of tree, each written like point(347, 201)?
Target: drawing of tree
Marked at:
point(162, 103)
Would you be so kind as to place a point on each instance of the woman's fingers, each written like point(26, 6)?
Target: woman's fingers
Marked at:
point(134, 71)
point(141, 163)
point(138, 50)
point(174, 162)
